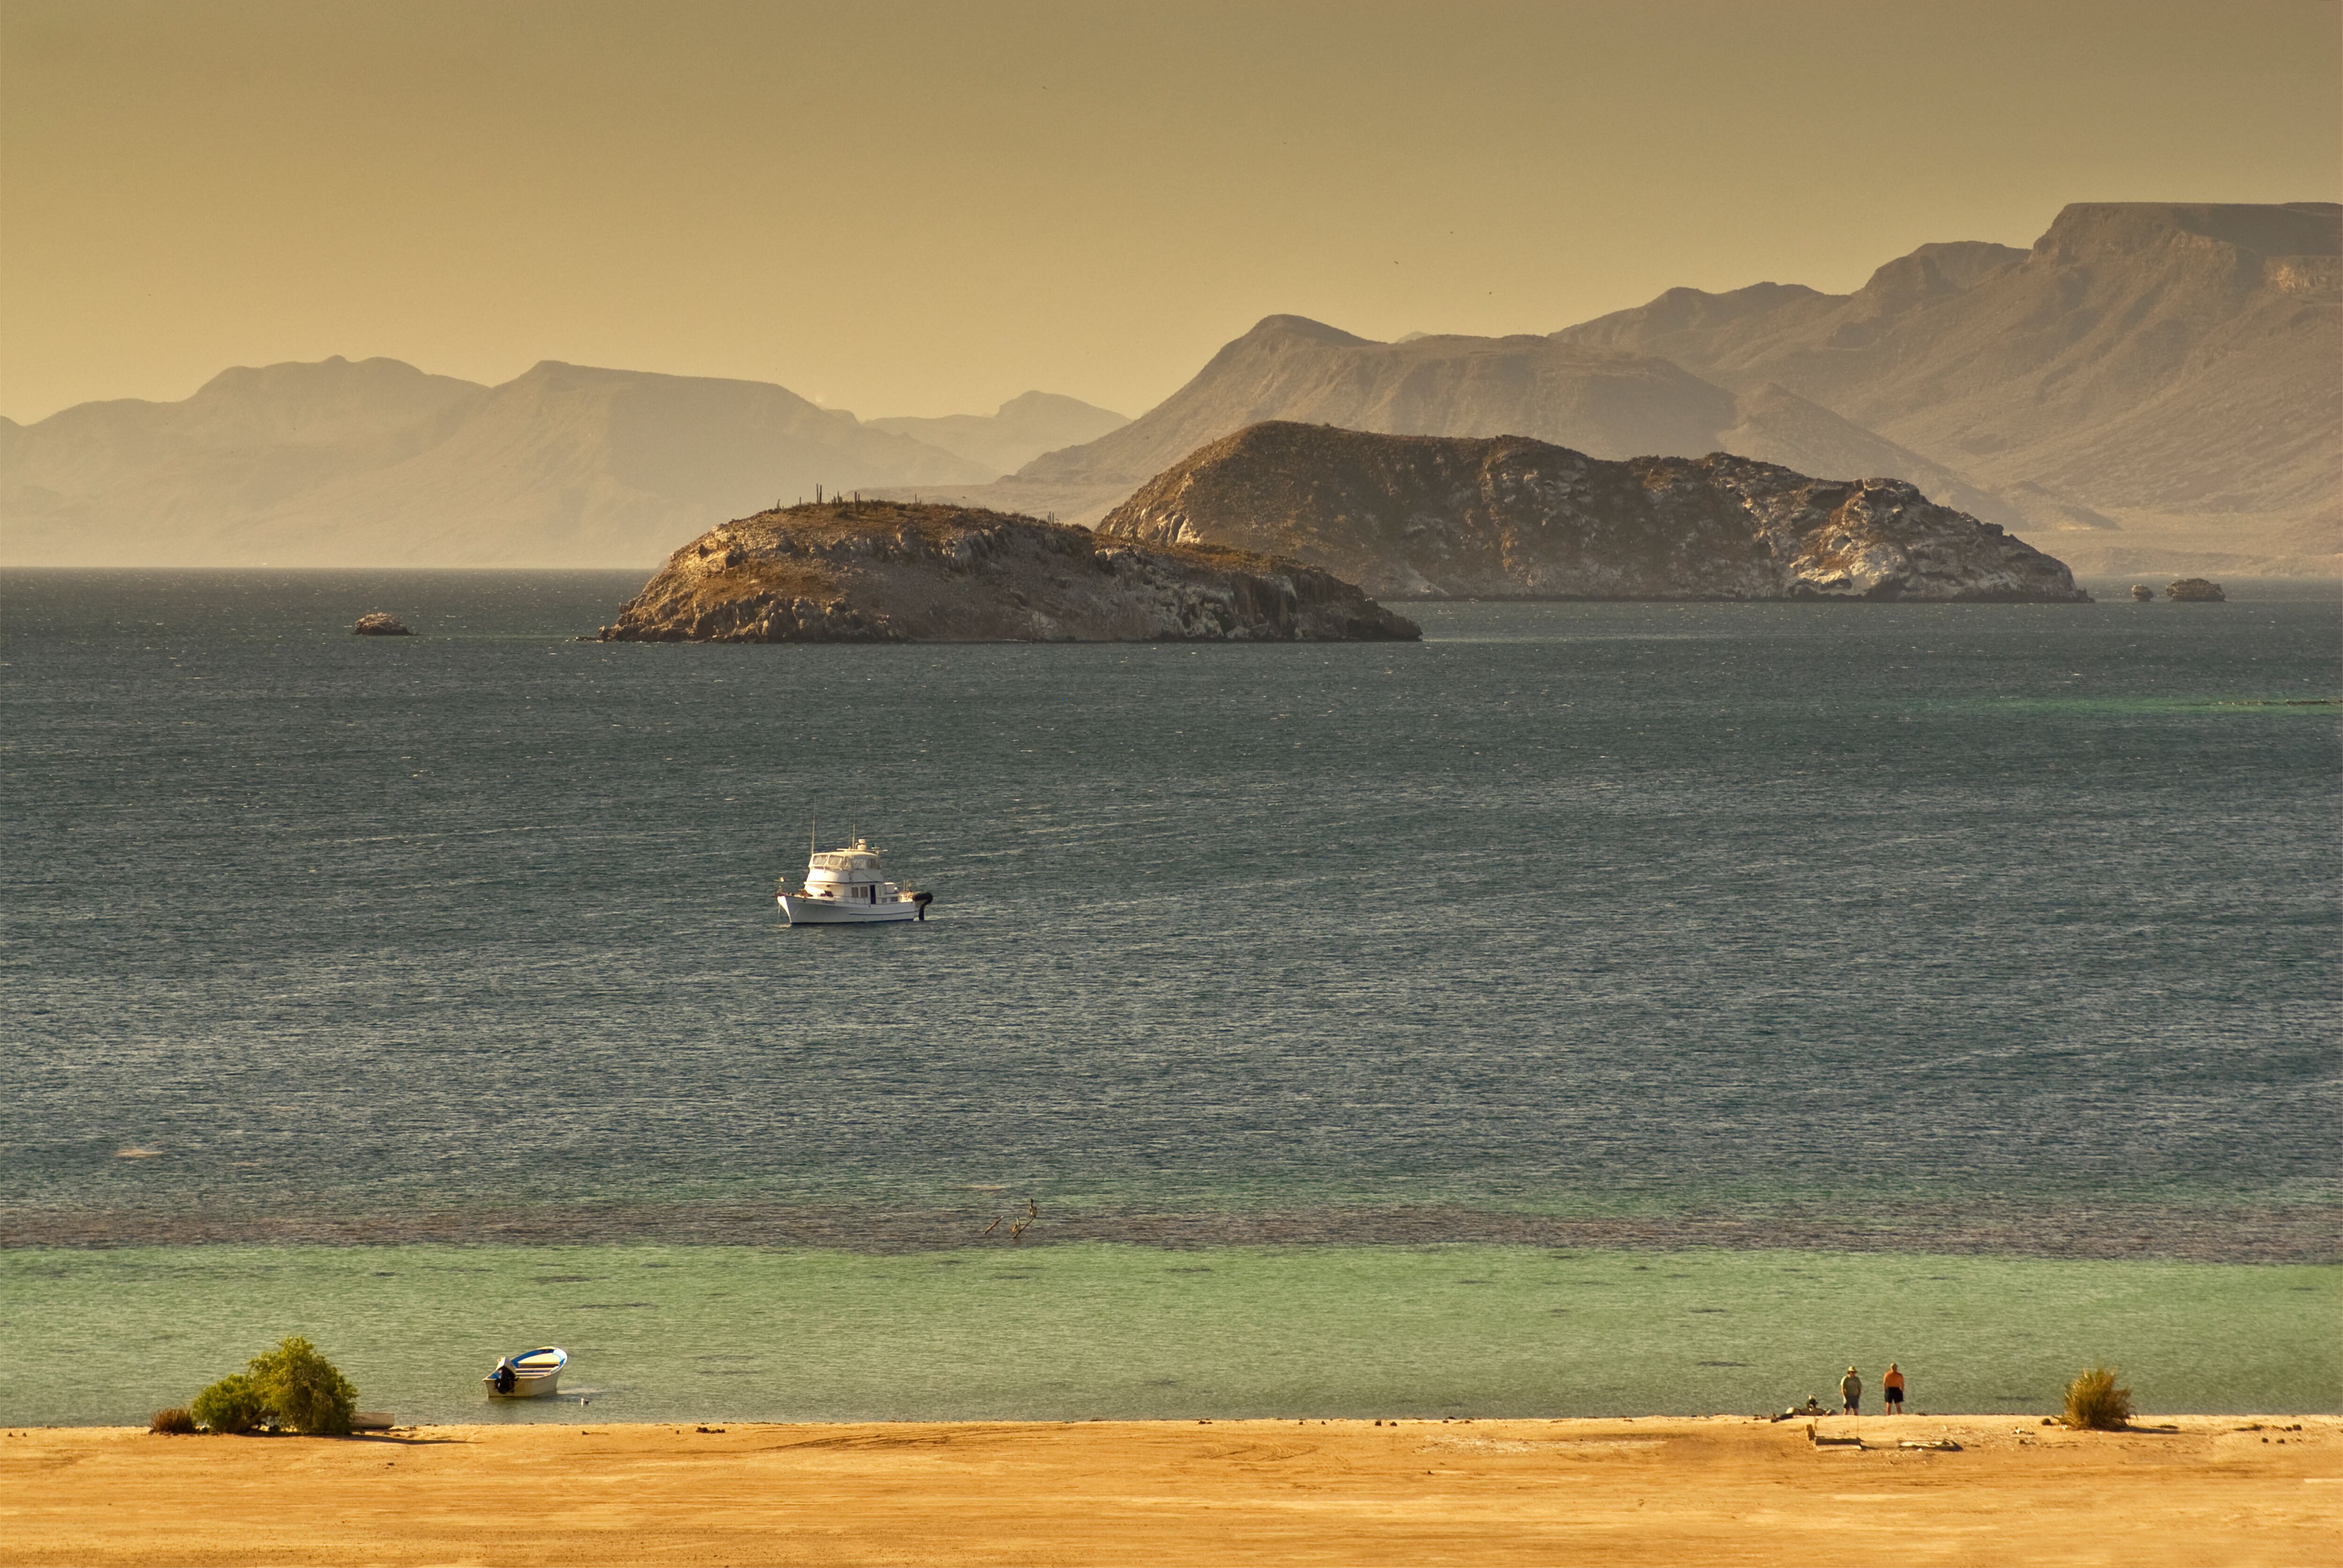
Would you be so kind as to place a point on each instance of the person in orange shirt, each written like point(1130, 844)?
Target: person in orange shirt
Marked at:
point(1891, 1388)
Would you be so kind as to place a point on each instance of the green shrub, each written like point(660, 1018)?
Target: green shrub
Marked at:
point(2094, 1403)
point(304, 1391)
point(172, 1422)
point(233, 1404)
point(291, 1385)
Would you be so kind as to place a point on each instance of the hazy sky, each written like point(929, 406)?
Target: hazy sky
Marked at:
point(905, 208)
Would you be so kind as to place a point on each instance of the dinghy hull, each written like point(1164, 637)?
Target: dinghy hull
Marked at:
point(533, 1374)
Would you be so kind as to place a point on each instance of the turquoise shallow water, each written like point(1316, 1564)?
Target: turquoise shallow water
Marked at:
point(700, 1334)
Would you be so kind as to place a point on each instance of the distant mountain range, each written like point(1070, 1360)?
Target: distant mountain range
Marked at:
point(1022, 429)
point(2146, 363)
point(1600, 401)
point(378, 463)
point(2157, 383)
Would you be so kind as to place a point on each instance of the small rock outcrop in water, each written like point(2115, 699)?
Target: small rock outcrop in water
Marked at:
point(2141, 593)
point(2194, 590)
point(380, 625)
point(1510, 518)
point(882, 572)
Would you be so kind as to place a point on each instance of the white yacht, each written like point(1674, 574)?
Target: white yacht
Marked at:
point(846, 887)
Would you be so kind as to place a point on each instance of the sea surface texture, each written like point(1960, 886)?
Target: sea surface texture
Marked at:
point(1997, 933)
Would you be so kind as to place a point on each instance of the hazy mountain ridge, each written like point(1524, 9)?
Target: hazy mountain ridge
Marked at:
point(247, 441)
point(2156, 382)
point(1715, 335)
point(1508, 517)
point(1604, 402)
point(378, 464)
point(1291, 367)
point(2159, 379)
point(2166, 363)
point(1021, 430)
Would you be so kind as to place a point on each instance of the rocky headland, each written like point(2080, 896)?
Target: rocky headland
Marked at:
point(1510, 518)
point(884, 571)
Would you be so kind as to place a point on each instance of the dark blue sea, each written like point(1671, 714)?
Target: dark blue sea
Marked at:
point(423, 994)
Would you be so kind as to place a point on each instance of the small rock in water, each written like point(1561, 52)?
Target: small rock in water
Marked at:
point(380, 625)
point(2142, 592)
point(2194, 590)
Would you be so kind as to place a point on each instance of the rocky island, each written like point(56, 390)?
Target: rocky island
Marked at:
point(1427, 517)
point(2194, 590)
point(885, 571)
point(380, 623)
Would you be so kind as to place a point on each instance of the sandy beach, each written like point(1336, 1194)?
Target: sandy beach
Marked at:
point(1716, 1490)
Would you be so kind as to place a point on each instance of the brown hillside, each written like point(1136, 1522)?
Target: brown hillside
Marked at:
point(1513, 517)
point(2164, 359)
point(880, 571)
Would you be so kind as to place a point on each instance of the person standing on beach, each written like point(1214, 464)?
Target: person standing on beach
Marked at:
point(1891, 1389)
point(1850, 1389)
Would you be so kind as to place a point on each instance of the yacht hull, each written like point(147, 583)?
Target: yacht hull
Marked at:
point(833, 912)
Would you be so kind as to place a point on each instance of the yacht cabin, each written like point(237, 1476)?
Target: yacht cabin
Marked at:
point(847, 885)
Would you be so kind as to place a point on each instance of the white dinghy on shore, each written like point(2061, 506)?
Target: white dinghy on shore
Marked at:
point(532, 1374)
